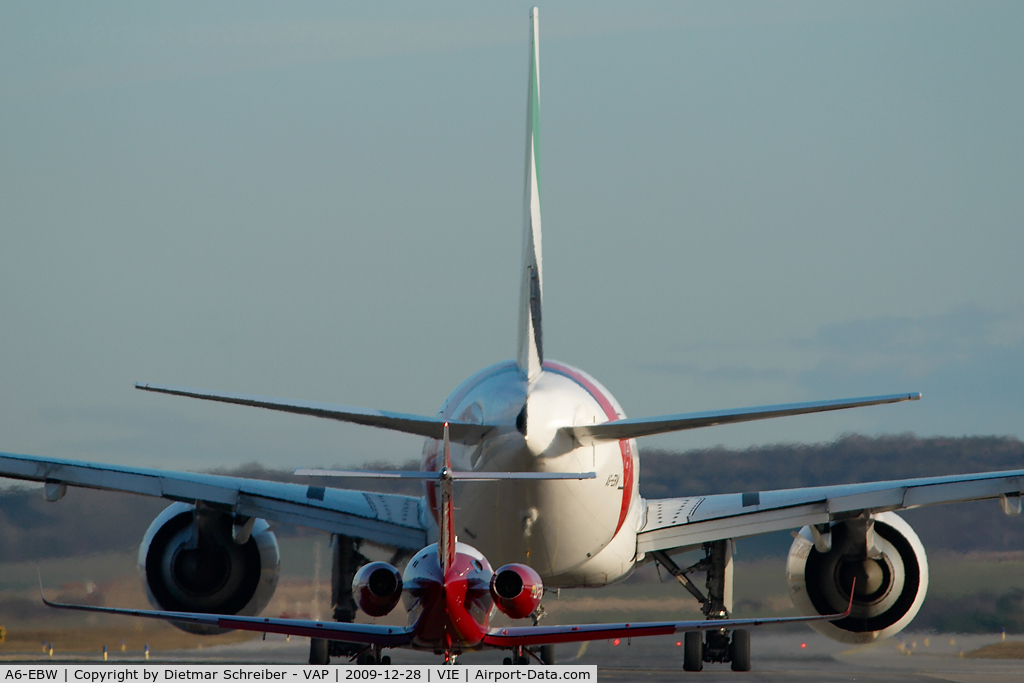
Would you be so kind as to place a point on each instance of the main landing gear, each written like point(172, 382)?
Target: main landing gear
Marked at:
point(720, 648)
point(319, 650)
point(545, 654)
point(345, 562)
point(716, 645)
point(373, 656)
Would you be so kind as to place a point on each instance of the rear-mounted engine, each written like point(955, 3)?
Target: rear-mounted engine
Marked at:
point(517, 590)
point(376, 588)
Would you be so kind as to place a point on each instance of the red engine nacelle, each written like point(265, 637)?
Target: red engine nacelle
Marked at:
point(376, 588)
point(516, 590)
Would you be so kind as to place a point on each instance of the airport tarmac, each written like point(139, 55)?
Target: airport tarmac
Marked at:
point(777, 656)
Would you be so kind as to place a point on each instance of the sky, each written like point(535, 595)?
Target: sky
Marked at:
point(744, 203)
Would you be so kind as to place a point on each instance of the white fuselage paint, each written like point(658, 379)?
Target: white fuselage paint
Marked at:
point(573, 532)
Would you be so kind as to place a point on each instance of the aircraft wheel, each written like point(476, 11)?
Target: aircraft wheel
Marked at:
point(739, 650)
point(547, 654)
point(318, 651)
point(693, 651)
point(523, 660)
point(508, 661)
point(385, 660)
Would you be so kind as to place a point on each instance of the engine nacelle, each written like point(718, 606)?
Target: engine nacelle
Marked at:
point(885, 557)
point(377, 588)
point(517, 590)
point(198, 561)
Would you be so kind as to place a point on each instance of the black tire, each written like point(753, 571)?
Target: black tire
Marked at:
point(739, 650)
point(547, 654)
point(385, 660)
point(693, 651)
point(508, 661)
point(523, 660)
point(318, 651)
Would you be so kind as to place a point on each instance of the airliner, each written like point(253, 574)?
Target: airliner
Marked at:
point(450, 594)
point(551, 469)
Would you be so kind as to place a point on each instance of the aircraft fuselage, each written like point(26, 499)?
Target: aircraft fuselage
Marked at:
point(572, 532)
point(448, 611)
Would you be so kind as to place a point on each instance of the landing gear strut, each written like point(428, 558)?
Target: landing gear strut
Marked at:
point(319, 651)
point(718, 645)
point(545, 654)
point(372, 656)
point(519, 656)
point(345, 561)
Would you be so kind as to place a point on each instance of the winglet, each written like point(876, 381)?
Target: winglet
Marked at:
point(446, 517)
point(849, 608)
point(42, 595)
point(531, 341)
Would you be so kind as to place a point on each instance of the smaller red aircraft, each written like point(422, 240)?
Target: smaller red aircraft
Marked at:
point(450, 593)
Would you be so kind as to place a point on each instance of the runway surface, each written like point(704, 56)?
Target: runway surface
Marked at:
point(786, 656)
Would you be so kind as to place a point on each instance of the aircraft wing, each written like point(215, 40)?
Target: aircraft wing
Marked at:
point(633, 428)
point(374, 634)
point(420, 425)
point(682, 522)
point(396, 636)
point(512, 636)
point(388, 519)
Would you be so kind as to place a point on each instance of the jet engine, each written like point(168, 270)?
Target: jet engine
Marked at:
point(882, 553)
point(377, 587)
point(202, 560)
point(517, 590)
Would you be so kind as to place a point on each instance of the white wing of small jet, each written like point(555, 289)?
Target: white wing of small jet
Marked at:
point(671, 523)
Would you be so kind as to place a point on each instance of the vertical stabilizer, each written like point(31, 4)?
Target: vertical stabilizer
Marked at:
point(531, 347)
point(446, 509)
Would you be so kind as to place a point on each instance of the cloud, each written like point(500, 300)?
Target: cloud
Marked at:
point(968, 362)
point(970, 344)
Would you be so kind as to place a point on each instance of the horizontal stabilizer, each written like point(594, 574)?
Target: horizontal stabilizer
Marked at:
point(454, 474)
point(634, 428)
point(433, 427)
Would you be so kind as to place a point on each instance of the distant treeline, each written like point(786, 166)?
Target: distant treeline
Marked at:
point(88, 521)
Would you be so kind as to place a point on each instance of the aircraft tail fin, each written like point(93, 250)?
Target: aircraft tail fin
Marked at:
point(531, 347)
point(446, 509)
